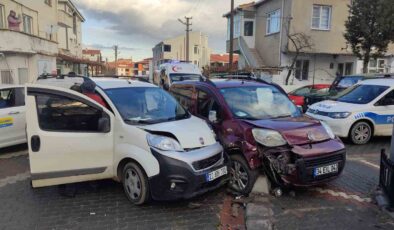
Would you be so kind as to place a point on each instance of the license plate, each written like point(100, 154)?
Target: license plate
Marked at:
point(216, 174)
point(326, 169)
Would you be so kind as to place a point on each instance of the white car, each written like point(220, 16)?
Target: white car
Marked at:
point(12, 115)
point(362, 111)
point(142, 138)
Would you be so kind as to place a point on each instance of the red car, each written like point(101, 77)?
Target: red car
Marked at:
point(260, 128)
point(297, 96)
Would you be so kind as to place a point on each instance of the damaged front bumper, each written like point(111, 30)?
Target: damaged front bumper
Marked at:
point(296, 165)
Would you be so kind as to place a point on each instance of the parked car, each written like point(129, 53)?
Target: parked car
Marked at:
point(339, 84)
point(142, 138)
point(363, 111)
point(12, 115)
point(169, 73)
point(260, 128)
point(298, 95)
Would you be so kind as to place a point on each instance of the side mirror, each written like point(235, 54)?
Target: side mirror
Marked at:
point(213, 117)
point(104, 124)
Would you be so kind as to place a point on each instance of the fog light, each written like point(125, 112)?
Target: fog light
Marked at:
point(172, 186)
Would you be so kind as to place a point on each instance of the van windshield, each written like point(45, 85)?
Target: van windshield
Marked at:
point(259, 102)
point(146, 105)
point(184, 77)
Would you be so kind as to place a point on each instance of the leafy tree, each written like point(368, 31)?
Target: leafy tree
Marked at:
point(370, 28)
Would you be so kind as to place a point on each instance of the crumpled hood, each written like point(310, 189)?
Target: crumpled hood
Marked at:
point(334, 106)
point(189, 132)
point(294, 129)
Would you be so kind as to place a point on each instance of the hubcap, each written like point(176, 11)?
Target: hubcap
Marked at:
point(133, 184)
point(361, 133)
point(239, 177)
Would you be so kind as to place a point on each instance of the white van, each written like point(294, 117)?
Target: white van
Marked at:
point(142, 138)
point(169, 73)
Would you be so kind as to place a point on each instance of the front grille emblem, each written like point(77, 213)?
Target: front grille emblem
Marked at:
point(202, 141)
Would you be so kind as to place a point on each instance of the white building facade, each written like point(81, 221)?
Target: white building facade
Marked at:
point(175, 49)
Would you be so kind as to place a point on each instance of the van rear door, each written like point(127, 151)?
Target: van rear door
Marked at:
point(70, 137)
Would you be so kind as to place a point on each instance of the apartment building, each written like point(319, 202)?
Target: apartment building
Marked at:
point(175, 49)
point(141, 68)
point(28, 40)
point(39, 37)
point(262, 39)
point(93, 60)
point(70, 38)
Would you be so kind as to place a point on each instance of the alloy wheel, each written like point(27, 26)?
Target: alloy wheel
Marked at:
point(239, 176)
point(362, 133)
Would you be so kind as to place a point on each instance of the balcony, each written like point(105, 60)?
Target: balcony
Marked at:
point(16, 41)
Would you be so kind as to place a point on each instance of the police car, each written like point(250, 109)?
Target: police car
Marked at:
point(362, 111)
point(12, 115)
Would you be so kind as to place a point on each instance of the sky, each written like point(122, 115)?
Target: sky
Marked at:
point(136, 26)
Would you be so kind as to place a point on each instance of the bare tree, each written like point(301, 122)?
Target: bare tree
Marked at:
point(301, 42)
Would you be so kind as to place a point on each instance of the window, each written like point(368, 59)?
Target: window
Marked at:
point(377, 66)
point(362, 94)
point(27, 24)
point(248, 28)
point(59, 113)
point(75, 23)
point(48, 2)
point(6, 77)
point(301, 91)
point(196, 51)
point(302, 70)
point(167, 48)
point(206, 103)
point(321, 17)
point(12, 98)
point(2, 22)
point(387, 100)
point(183, 96)
point(345, 68)
point(273, 22)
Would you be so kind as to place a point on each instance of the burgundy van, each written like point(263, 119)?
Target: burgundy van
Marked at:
point(260, 128)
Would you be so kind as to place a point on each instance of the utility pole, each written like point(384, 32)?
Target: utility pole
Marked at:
point(116, 59)
point(231, 36)
point(187, 24)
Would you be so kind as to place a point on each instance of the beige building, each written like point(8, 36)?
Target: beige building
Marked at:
point(39, 37)
point(262, 32)
point(175, 49)
point(70, 38)
point(28, 39)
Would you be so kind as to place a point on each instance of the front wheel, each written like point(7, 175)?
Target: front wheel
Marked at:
point(135, 184)
point(361, 133)
point(242, 178)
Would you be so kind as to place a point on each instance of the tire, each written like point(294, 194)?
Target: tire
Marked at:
point(242, 178)
point(360, 133)
point(135, 184)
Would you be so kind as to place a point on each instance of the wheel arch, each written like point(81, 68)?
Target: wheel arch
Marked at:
point(122, 163)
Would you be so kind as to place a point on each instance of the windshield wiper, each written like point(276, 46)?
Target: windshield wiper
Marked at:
point(140, 121)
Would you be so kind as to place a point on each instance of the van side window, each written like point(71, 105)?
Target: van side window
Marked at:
point(388, 99)
point(206, 103)
point(183, 96)
point(12, 98)
point(59, 113)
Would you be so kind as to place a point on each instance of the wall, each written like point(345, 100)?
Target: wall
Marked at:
point(268, 46)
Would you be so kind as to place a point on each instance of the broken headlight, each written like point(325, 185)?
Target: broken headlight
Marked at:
point(269, 138)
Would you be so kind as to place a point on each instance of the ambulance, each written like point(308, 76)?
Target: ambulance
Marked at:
point(168, 73)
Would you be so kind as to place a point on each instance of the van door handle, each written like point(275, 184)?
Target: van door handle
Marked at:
point(13, 113)
point(35, 143)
